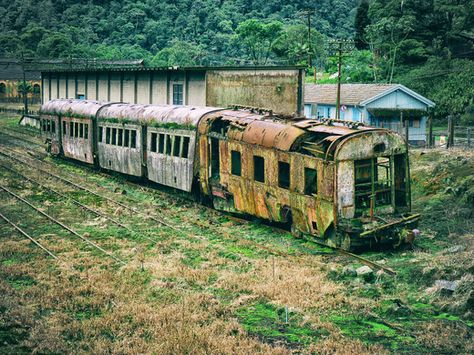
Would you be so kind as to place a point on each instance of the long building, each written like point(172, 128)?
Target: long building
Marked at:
point(275, 88)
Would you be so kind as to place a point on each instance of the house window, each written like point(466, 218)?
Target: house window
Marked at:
point(416, 123)
point(236, 163)
point(153, 142)
point(310, 181)
point(258, 168)
point(185, 151)
point(283, 175)
point(177, 94)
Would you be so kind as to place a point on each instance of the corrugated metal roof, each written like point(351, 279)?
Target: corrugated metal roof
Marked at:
point(86, 108)
point(12, 69)
point(351, 94)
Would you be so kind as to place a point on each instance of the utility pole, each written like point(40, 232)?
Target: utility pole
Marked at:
point(24, 91)
point(339, 52)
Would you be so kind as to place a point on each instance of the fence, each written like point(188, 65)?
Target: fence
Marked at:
point(450, 136)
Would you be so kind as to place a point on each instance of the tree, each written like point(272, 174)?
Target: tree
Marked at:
point(259, 39)
point(360, 24)
point(56, 45)
point(181, 53)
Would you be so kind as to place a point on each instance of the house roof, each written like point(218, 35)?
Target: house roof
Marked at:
point(355, 94)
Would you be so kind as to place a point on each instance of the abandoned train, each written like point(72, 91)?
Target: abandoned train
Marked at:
point(347, 185)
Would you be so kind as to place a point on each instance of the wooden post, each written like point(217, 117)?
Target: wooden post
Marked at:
point(450, 142)
point(407, 130)
point(430, 133)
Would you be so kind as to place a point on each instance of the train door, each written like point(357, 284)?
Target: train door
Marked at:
point(215, 160)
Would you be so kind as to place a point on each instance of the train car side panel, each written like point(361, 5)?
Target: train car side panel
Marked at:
point(76, 139)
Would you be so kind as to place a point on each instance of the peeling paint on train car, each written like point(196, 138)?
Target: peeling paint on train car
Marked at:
point(77, 139)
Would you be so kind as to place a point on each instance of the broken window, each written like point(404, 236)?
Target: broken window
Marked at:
point(161, 143)
point(373, 182)
point(236, 163)
point(153, 142)
point(114, 136)
point(176, 146)
point(168, 144)
point(283, 175)
point(258, 168)
point(310, 181)
point(120, 137)
point(107, 135)
point(126, 138)
point(185, 151)
point(133, 138)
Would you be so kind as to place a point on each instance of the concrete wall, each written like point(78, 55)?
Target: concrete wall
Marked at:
point(279, 90)
point(276, 89)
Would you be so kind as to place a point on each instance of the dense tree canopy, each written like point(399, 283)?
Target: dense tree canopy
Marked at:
point(425, 44)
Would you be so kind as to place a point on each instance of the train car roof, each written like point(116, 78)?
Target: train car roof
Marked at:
point(151, 114)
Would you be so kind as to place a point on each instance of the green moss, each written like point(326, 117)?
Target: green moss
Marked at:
point(268, 322)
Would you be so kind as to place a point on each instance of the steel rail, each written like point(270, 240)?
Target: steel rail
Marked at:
point(118, 203)
point(21, 231)
point(62, 225)
point(20, 139)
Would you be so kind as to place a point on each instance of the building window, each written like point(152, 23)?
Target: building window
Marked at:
point(177, 94)
point(283, 175)
point(310, 181)
point(36, 89)
point(185, 151)
point(258, 168)
point(416, 123)
point(236, 163)
point(81, 97)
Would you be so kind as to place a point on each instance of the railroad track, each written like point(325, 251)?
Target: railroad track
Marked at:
point(62, 225)
point(187, 234)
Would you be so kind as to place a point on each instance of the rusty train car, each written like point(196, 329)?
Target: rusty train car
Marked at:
point(343, 184)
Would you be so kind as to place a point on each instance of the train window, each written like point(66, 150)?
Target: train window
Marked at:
point(126, 138)
point(176, 146)
point(43, 126)
point(283, 175)
point(153, 142)
point(48, 125)
point(53, 126)
point(310, 181)
point(161, 143)
point(133, 138)
point(101, 134)
point(258, 168)
point(236, 163)
point(114, 136)
point(185, 151)
point(64, 128)
point(71, 129)
point(120, 137)
point(81, 130)
point(107, 135)
point(86, 130)
point(168, 145)
point(76, 129)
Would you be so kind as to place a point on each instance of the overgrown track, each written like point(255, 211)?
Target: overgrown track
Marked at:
point(22, 232)
point(62, 225)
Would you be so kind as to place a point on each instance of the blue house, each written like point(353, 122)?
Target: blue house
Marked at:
point(379, 105)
